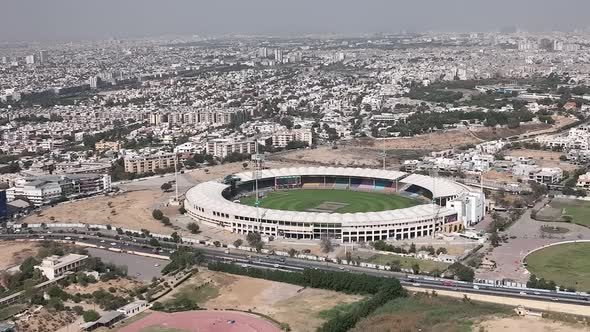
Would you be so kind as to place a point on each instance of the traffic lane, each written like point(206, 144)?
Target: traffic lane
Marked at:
point(139, 267)
point(218, 252)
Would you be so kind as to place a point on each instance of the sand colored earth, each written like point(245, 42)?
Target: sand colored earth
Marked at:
point(291, 304)
point(15, 252)
point(543, 158)
point(527, 324)
point(121, 285)
point(131, 209)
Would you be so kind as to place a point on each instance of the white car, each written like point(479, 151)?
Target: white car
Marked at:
point(522, 293)
point(101, 241)
point(156, 265)
point(113, 244)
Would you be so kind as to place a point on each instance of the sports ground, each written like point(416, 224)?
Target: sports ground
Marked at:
point(331, 201)
point(577, 210)
point(202, 321)
point(566, 264)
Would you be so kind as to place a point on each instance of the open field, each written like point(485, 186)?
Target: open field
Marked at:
point(527, 324)
point(428, 313)
point(131, 209)
point(299, 307)
point(408, 262)
point(566, 264)
point(15, 252)
point(543, 158)
point(577, 209)
point(328, 200)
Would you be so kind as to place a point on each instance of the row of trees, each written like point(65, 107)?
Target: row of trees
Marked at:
point(183, 258)
point(382, 289)
point(383, 246)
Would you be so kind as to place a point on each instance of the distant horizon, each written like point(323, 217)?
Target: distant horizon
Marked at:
point(73, 20)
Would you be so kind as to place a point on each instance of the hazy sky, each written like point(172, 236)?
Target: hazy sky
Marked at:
point(91, 19)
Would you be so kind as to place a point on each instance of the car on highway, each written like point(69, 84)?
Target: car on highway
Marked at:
point(522, 293)
point(415, 284)
point(475, 287)
point(102, 241)
point(156, 265)
point(113, 244)
point(554, 299)
point(244, 265)
point(276, 266)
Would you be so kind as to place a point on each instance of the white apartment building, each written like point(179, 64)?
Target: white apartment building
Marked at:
point(548, 176)
point(44, 190)
point(470, 207)
point(221, 147)
point(56, 266)
point(281, 139)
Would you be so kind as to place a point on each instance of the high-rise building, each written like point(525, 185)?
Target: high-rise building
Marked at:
point(43, 54)
point(263, 52)
point(30, 59)
point(557, 45)
point(279, 55)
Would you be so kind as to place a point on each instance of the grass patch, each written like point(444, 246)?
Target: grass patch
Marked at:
point(428, 313)
point(566, 264)
point(339, 309)
point(353, 201)
point(408, 262)
point(578, 210)
point(7, 312)
point(199, 294)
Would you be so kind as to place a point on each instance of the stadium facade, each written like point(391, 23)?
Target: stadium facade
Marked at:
point(450, 206)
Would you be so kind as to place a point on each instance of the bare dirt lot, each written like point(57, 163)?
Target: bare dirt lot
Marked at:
point(294, 305)
point(130, 209)
point(526, 324)
point(15, 252)
point(121, 285)
point(543, 158)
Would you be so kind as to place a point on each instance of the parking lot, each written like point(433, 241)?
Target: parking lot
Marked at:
point(142, 268)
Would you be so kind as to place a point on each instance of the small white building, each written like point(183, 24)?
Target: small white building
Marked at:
point(55, 266)
point(134, 308)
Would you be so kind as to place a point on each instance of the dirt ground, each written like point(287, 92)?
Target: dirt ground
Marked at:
point(526, 324)
point(294, 305)
point(543, 158)
point(15, 252)
point(498, 176)
point(121, 285)
point(131, 209)
point(45, 321)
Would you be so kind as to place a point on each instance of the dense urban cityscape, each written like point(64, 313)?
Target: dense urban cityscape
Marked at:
point(408, 181)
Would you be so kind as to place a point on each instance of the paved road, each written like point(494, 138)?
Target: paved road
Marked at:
point(142, 268)
point(292, 264)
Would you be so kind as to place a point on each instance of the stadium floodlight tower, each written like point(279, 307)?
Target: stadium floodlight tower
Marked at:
point(258, 162)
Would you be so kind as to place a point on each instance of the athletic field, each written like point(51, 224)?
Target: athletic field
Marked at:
point(331, 201)
point(578, 210)
point(566, 264)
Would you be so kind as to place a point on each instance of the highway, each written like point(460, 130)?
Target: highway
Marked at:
point(294, 264)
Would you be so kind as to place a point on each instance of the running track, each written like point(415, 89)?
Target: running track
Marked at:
point(204, 321)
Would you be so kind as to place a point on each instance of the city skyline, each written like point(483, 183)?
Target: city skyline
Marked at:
point(72, 20)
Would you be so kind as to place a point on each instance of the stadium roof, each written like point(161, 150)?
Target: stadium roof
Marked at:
point(208, 195)
point(438, 186)
point(321, 171)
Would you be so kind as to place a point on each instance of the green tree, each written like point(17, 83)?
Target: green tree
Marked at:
point(90, 316)
point(154, 242)
point(193, 228)
point(157, 214)
point(166, 186)
point(326, 244)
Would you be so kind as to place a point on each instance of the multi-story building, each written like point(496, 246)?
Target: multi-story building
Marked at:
point(281, 139)
point(56, 266)
point(221, 147)
point(105, 145)
point(470, 207)
point(151, 163)
point(44, 190)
